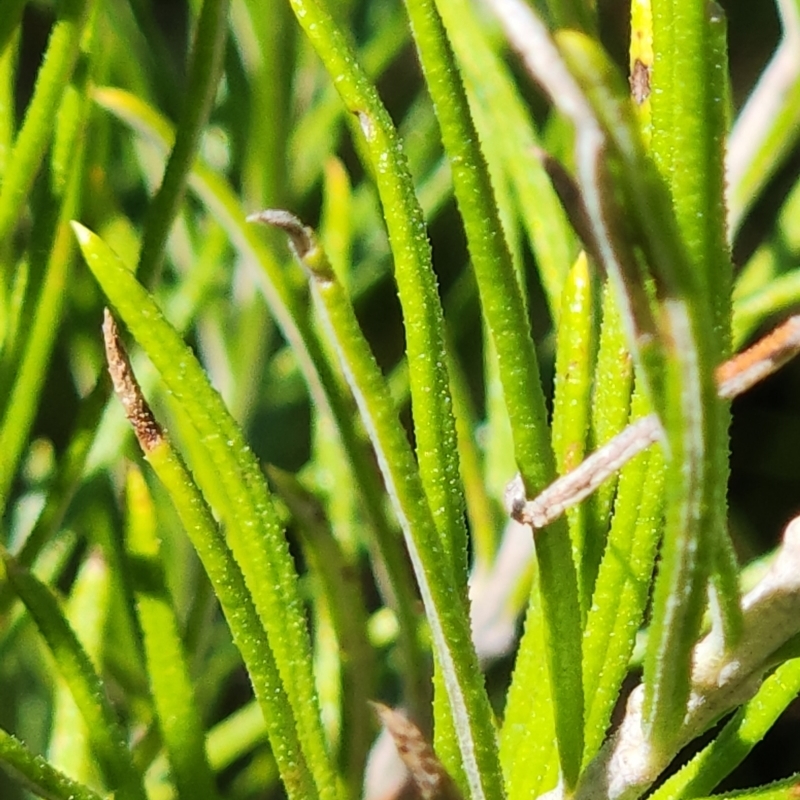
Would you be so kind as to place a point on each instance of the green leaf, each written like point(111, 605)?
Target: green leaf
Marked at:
point(622, 590)
point(575, 367)
point(780, 790)
point(342, 599)
point(53, 260)
point(446, 613)
point(688, 133)
point(528, 738)
point(416, 282)
point(87, 613)
point(482, 516)
point(29, 147)
point(503, 120)
point(174, 698)
point(317, 133)
point(204, 74)
point(107, 738)
point(37, 775)
point(254, 531)
point(294, 322)
point(505, 315)
point(224, 574)
point(434, 424)
point(19, 413)
point(611, 403)
point(737, 739)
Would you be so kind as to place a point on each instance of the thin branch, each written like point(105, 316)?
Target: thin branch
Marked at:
point(734, 377)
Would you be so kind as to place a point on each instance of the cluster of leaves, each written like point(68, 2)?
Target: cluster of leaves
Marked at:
point(133, 596)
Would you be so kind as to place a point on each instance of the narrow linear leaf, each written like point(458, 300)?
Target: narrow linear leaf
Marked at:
point(434, 425)
point(170, 683)
point(254, 531)
point(265, 38)
point(611, 402)
point(37, 775)
point(505, 118)
point(623, 586)
point(16, 422)
point(505, 315)
point(31, 142)
point(431, 404)
point(87, 612)
point(224, 573)
point(295, 324)
point(688, 132)
point(204, 74)
point(483, 521)
point(528, 724)
point(316, 135)
point(786, 789)
point(575, 362)
point(446, 613)
point(343, 601)
point(386, 547)
point(737, 739)
point(697, 180)
point(29, 375)
point(680, 589)
point(107, 738)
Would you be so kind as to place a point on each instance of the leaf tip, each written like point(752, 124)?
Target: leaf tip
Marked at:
point(301, 237)
point(432, 780)
point(137, 410)
point(302, 240)
point(82, 233)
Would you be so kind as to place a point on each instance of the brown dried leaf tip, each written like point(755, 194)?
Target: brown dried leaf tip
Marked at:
point(301, 237)
point(138, 412)
point(428, 774)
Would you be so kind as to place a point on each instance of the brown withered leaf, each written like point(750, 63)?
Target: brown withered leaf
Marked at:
point(428, 773)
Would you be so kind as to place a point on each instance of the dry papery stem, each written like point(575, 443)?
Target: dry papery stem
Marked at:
point(628, 764)
point(733, 378)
